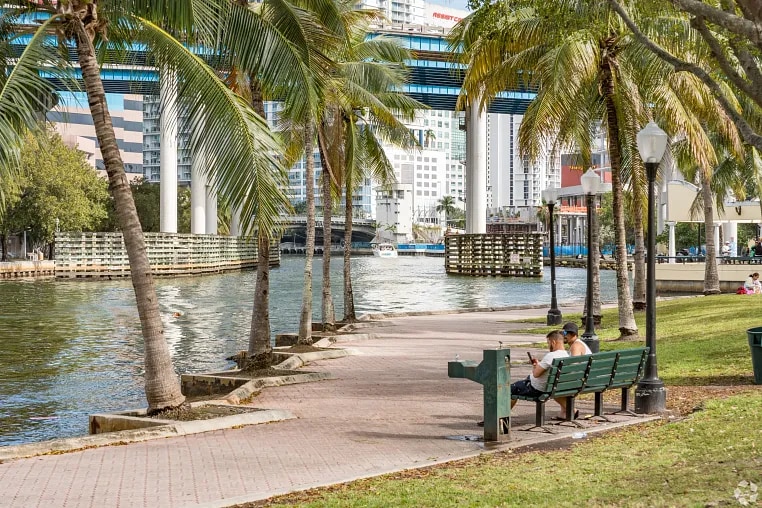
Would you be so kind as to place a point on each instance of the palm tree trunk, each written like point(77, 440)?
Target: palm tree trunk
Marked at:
point(639, 289)
point(328, 316)
point(260, 349)
point(711, 278)
point(162, 386)
point(627, 326)
point(349, 302)
point(305, 318)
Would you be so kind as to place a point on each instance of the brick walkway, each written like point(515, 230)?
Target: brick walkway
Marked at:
point(390, 407)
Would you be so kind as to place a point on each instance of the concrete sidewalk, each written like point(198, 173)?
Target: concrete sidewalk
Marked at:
point(391, 407)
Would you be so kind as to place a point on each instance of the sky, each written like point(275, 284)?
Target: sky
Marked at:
point(455, 4)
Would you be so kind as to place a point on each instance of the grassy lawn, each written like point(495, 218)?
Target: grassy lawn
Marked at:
point(696, 461)
point(699, 341)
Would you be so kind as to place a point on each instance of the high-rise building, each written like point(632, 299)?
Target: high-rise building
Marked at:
point(409, 12)
point(514, 183)
point(152, 142)
point(73, 121)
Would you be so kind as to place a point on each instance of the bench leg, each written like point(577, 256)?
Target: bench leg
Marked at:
point(570, 404)
point(539, 415)
point(598, 404)
point(625, 404)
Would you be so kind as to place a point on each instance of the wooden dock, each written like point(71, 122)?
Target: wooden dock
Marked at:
point(102, 255)
point(27, 269)
point(498, 254)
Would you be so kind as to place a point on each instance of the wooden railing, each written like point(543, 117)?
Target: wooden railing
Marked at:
point(102, 255)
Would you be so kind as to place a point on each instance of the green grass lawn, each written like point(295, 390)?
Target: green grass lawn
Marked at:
point(699, 341)
point(698, 461)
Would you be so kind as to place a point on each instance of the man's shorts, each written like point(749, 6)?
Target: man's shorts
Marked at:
point(525, 389)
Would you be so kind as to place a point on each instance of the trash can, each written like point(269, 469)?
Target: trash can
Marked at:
point(755, 344)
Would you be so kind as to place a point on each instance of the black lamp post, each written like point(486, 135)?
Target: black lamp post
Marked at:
point(590, 183)
point(650, 394)
point(550, 196)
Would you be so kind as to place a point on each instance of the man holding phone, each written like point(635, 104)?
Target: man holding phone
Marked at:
point(536, 382)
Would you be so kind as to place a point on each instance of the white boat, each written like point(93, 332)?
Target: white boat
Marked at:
point(384, 250)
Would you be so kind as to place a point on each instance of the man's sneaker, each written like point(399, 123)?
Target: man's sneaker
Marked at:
point(480, 424)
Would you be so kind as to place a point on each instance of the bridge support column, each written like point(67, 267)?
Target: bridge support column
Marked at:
point(211, 210)
point(235, 221)
point(168, 156)
point(476, 169)
point(671, 249)
point(198, 195)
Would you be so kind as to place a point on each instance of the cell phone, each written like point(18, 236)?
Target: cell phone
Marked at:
point(530, 357)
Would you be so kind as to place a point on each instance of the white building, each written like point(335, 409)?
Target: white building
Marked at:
point(394, 213)
point(514, 183)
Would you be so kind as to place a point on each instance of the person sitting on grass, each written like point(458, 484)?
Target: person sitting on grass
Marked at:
point(752, 285)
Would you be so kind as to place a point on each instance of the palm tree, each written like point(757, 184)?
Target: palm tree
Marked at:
point(586, 70)
point(232, 132)
point(365, 110)
point(428, 137)
point(733, 166)
point(300, 31)
point(574, 66)
point(446, 205)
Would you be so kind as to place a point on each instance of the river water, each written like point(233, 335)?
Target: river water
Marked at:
point(69, 349)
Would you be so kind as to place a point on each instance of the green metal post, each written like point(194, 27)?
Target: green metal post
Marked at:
point(494, 374)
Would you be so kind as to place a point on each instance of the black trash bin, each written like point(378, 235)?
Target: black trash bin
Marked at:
point(755, 344)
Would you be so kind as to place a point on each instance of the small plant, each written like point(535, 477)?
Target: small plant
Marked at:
point(746, 493)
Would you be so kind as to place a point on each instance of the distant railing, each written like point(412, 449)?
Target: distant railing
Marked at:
point(102, 255)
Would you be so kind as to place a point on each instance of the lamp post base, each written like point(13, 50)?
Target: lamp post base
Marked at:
point(650, 396)
point(592, 341)
point(554, 317)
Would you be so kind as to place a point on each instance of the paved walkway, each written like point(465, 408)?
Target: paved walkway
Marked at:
point(390, 407)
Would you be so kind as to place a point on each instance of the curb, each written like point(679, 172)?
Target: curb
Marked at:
point(124, 437)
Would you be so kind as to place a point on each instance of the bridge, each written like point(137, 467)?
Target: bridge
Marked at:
point(295, 227)
point(435, 78)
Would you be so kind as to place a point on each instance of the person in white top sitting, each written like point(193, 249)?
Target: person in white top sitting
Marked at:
point(534, 385)
point(725, 250)
point(577, 347)
point(752, 285)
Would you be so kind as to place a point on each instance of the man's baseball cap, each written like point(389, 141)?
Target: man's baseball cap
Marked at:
point(571, 328)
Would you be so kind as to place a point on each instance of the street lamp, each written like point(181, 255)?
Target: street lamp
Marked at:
point(650, 394)
point(590, 183)
point(550, 196)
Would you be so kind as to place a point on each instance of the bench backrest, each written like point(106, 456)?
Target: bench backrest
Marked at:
point(596, 372)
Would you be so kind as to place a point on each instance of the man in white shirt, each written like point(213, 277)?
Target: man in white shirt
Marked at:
point(534, 385)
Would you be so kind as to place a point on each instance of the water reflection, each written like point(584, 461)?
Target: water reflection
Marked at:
point(68, 349)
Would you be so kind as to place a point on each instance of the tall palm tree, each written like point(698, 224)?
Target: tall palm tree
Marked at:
point(733, 165)
point(300, 29)
point(370, 109)
point(232, 132)
point(585, 69)
point(446, 205)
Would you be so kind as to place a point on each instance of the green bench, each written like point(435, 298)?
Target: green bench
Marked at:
point(596, 373)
